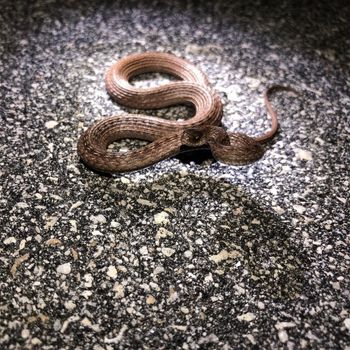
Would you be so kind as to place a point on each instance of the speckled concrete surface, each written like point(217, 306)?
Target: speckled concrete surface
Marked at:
point(182, 254)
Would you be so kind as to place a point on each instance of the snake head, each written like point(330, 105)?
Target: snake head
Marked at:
point(204, 135)
point(193, 137)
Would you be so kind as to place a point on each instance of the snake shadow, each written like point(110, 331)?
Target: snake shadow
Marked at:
point(229, 251)
point(226, 218)
point(233, 220)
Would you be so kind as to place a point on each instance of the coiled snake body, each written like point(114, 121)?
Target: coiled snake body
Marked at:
point(166, 137)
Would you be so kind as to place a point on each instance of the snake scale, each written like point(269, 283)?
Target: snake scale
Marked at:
point(166, 137)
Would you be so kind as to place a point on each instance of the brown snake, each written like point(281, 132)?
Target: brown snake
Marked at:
point(166, 137)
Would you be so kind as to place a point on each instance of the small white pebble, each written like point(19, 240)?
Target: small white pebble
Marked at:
point(168, 251)
point(282, 325)
point(25, 333)
point(76, 205)
point(143, 250)
point(158, 270)
point(335, 285)
point(249, 316)
point(299, 208)
point(146, 202)
point(112, 271)
point(261, 305)
point(161, 218)
point(73, 224)
point(251, 338)
point(119, 290)
point(50, 222)
point(64, 269)
point(188, 254)
point(86, 294)
point(184, 309)
point(303, 154)
point(274, 191)
point(51, 124)
point(114, 224)
point(328, 248)
point(239, 289)
point(283, 336)
point(224, 255)
point(208, 278)
point(124, 180)
point(183, 172)
point(69, 305)
point(97, 233)
point(22, 244)
point(36, 341)
point(253, 82)
point(86, 322)
point(10, 240)
point(98, 219)
point(22, 205)
point(347, 323)
point(320, 141)
point(88, 280)
point(162, 233)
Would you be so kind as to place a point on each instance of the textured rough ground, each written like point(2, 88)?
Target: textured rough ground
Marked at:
point(182, 254)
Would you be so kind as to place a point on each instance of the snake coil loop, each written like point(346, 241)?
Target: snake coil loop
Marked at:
point(166, 137)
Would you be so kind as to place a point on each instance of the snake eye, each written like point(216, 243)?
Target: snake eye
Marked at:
point(196, 137)
point(196, 134)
